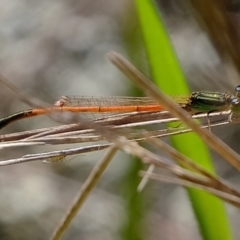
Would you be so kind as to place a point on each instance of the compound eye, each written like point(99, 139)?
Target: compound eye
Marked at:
point(235, 102)
point(237, 89)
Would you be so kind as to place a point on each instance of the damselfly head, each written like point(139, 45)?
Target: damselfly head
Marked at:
point(235, 102)
point(237, 89)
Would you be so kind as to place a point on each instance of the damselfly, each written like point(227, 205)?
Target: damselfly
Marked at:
point(99, 107)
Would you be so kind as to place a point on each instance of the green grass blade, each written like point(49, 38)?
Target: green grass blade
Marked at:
point(133, 227)
point(167, 74)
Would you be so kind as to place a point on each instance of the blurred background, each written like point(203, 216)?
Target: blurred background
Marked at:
point(54, 48)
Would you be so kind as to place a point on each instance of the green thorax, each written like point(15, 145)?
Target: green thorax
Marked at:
point(209, 101)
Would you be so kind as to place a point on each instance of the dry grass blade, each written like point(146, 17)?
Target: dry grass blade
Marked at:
point(145, 178)
point(54, 154)
point(89, 135)
point(221, 28)
point(232, 199)
point(215, 181)
point(205, 180)
point(185, 162)
point(144, 83)
point(26, 99)
point(80, 136)
point(76, 133)
point(85, 190)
